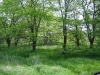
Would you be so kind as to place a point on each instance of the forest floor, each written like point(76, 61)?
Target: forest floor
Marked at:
point(48, 60)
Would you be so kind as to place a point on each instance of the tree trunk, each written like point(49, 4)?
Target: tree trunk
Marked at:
point(91, 42)
point(34, 37)
point(34, 46)
point(64, 37)
point(8, 40)
point(78, 43)
point(64, 45)
point(77, 35)
point(91, 45)
point(77, 40)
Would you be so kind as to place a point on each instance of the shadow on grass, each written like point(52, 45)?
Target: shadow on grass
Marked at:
point(74, 60)
point(25, 52)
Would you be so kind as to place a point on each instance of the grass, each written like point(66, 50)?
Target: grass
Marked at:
point(48, 60)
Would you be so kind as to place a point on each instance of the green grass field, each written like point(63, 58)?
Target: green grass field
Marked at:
point(48, 60)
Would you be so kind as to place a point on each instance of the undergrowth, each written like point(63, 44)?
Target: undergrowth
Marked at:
point(48, 60)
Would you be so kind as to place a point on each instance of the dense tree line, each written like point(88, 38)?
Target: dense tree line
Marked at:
point(49, 22)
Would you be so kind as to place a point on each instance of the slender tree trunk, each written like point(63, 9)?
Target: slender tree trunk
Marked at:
point(91, 45)
point(77, 36)
point(91, 42)
point(34, 37)
point(64, 37)
point(34, 45)
point(77, 42)
point(8, 40)
point(34, 42)
point(64, 45)
point(64, 18)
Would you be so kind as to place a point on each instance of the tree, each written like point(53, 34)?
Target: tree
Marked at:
point(10, 17)
point(76, 22)
point(98, 22)
point(77, 31)
point(64, 9)
point(90, 15)
point(34, 12)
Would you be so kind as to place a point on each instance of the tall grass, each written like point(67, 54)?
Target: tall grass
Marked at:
point(48, 60)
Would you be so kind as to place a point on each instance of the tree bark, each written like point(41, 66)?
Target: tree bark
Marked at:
point(34, 37)
point(8, 40)
point(34, 42)
point(64, 45)
point(77, 42)
point(34, 45)
point(77, 35)
point(91, 42)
